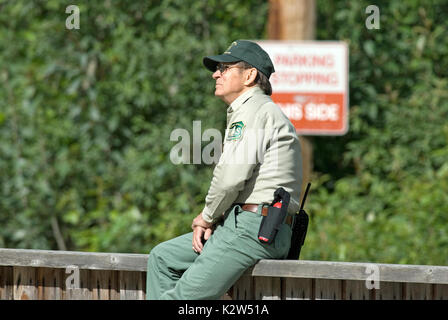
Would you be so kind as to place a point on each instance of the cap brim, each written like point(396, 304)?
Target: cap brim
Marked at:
point(210, 62)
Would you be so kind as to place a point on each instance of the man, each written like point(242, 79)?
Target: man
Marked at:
point(261, 153)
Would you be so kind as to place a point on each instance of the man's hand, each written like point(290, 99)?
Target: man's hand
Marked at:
point(201, 228)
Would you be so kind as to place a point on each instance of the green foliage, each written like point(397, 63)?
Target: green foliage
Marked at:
point(393, 205)
point(86, 117)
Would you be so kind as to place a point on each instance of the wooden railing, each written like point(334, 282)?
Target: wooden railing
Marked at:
point(42, 274)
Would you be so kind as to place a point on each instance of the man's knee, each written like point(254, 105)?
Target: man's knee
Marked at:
point(166, 251)
point(158, 251)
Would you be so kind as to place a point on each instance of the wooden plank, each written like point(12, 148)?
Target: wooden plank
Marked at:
point(49, 284)
point(22, 277)
point(105, 285)
point(75, 292)
point(84, 260)
point(298, 289)
point(267, 288)
point(132, 285)
point(71, 279)
point(350, 271)
point(264, 268)
point(389, 291)
point(356, 290)
point(86, 291)
point(418, 291)
point(326, 289)
point(440, 292)
point(243, 289)
point(6, 283)
point(24, 283)
point(227, 295)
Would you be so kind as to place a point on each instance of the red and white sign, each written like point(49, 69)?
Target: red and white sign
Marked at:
point(310, 84)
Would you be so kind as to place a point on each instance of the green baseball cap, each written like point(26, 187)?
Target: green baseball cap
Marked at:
point(243, 50)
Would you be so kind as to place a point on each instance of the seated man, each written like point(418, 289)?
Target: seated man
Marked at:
point(261, 153)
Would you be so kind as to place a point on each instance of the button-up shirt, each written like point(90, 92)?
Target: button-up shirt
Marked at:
point(261, 153)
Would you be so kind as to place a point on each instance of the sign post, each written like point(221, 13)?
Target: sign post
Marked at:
point(290, 20)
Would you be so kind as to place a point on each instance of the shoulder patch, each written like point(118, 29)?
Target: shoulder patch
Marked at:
point(235, 131)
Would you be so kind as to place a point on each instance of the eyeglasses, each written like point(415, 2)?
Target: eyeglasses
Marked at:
point(224, 67)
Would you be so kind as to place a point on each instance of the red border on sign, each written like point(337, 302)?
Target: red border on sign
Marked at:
point(306, 126)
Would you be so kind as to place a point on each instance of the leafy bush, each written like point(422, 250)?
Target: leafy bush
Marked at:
point(86, 117)
point(390, 204)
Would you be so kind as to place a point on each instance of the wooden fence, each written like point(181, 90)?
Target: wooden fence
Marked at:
point(50, 275)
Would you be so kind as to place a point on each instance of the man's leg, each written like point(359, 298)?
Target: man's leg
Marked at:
point(231, 249)
point(166, 263)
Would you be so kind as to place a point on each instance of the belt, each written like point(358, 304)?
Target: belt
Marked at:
point(264, 211)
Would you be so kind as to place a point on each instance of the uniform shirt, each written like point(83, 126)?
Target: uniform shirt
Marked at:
point(261, 153)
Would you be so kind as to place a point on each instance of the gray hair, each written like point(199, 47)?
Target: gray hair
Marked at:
point(261, 80)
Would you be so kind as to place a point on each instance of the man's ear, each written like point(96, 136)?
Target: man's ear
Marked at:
point(251, 75)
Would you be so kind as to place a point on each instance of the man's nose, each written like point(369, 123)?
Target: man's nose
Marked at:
point(216, 74)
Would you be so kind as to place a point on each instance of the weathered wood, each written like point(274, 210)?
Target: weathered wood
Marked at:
point(49, 284)
point(104, 285)
point(6, 283)
point(132, 285)
point(267, 288)
point(24, 283)
point(440, 292)
point(418, 291)
point(298, 289)
point(51, 275)
point(356, 290)
point(350, 271)
point(389, 291)
point(243, 289)
point(77, 291)
point(83, 260)
point(328, 289)
point(265, 268)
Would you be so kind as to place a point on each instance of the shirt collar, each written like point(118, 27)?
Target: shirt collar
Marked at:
point(238, 102)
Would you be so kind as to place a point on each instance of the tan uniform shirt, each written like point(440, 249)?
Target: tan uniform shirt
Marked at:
point(261, 153)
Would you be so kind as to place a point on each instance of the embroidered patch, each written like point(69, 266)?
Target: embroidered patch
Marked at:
point(234, 43)
point(235, 131)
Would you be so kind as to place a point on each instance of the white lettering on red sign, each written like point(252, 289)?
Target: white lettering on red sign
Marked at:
point(310, 84)
point(313, 112)
point(321, 112)
point(292, 110)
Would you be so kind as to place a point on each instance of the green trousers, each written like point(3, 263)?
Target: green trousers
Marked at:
point(175, 271)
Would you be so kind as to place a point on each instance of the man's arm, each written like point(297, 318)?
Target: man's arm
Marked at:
point(235, 167)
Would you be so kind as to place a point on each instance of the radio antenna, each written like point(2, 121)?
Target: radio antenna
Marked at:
point(305, 195)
